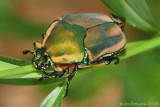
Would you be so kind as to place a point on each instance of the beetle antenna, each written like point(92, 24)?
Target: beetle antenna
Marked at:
point(27, 51)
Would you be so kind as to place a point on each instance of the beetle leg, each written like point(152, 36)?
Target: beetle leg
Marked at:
point(40, 79)
point(44, 75)
point(63, 72)
point(118, 20)
point(47, 76)
point(59, 73)
point(27, 51)
point(117, 60)
point(70, 78)
point(111, 58)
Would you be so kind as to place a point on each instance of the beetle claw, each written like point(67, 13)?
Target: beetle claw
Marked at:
point(40, 79)
point(110, 59)
point(117, 60)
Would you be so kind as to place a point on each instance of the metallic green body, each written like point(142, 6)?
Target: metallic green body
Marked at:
point(65, 43)
point(81, 37)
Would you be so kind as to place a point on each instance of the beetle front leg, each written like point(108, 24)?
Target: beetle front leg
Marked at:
point(44, 75)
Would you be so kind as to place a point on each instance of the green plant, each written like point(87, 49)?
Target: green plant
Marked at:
point(136, 13)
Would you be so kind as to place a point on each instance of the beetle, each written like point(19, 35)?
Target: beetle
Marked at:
point(78, 40)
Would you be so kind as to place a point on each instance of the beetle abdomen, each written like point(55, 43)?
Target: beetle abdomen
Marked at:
point(106, 38)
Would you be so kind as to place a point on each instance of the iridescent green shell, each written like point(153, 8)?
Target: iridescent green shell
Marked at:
point(70, 37)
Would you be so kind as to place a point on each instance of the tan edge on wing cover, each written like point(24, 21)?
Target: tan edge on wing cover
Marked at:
point(49, 31)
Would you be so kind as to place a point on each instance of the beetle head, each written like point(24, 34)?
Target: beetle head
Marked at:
point(41, 58)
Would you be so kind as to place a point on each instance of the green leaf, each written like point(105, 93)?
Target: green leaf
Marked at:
point(131, 50)
point(136, 13)
point(5, 66)
point(54, 99)
point(31, 81)
point(16, 71)
point(14, 61)
point(140, 46)
point(27, 75)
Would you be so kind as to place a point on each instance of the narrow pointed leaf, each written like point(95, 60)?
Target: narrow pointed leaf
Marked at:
point(30, 74)
point(54, 99)
point(136, 13)
point(14, 61)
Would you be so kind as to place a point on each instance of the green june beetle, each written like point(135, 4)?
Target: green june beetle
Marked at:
point(78, 40)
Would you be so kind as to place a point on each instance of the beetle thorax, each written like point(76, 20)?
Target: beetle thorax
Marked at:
point(41, 59)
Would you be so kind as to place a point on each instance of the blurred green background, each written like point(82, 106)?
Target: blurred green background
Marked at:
point(133, 80)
